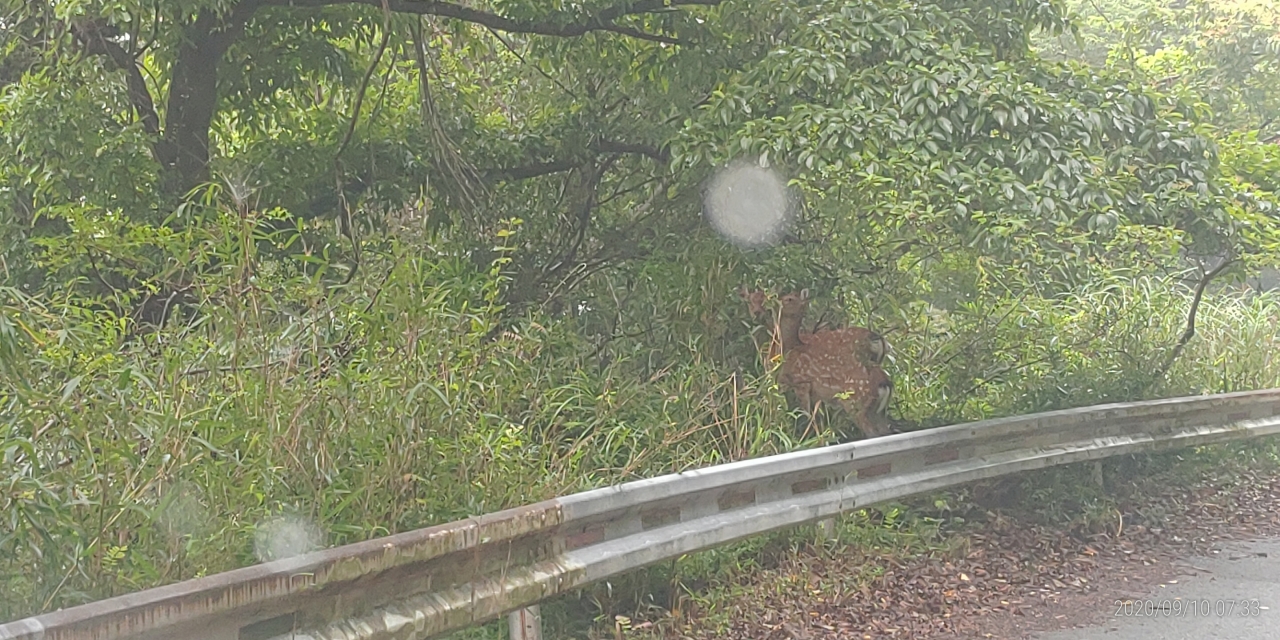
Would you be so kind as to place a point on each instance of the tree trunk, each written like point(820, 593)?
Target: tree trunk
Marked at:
point(184, 149)
point(193, 97)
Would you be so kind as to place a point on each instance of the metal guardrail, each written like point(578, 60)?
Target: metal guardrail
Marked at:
point(423, 583)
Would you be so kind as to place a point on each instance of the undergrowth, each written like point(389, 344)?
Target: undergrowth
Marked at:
point(278, 401)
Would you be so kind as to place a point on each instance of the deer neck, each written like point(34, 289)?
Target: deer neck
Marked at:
point(789, 330)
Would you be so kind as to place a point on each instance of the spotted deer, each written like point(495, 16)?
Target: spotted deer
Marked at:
point(865, 345)
point(833, 365)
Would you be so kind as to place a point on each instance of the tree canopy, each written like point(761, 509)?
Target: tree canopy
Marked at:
point(906, 125)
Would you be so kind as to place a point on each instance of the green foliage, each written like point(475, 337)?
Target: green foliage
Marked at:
point(1223, 56)
point(426, 268)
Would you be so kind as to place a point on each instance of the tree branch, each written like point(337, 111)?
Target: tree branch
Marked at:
point(525, 172)
point(648, 151)
point(1190, 331)
point(364, 87)
point(605, 20)
point(642, 35)
point(229, 28)
point(94, 37)
point(516, 174)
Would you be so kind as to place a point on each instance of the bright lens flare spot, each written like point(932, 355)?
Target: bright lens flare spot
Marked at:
point(284, 537)
point(749, 205)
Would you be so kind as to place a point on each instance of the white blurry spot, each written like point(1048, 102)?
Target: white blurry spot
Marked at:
point(181, 511)
point(748, 205)
point(284, 537)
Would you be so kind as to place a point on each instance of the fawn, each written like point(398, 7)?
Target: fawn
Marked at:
point(840, 365)
point(864, 344)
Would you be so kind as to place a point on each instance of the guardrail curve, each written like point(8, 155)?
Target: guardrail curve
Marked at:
point(423, 583)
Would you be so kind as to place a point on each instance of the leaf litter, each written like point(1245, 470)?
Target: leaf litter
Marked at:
point(1001, 577)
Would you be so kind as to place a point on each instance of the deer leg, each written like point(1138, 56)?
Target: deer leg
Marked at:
point(870, 415)
point(857, 411)
point(879, 409)
point(884, 393)
point(804, 399)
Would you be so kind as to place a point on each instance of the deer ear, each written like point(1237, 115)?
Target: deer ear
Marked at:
point(804, 294)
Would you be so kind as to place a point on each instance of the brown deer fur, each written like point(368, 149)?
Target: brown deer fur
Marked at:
point(836, 365)
point(865, 345)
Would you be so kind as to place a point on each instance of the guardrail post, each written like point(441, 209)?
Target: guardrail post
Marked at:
point(525, 624)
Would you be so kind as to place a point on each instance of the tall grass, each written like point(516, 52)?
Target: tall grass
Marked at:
point(1104, 343)
point(132, 461)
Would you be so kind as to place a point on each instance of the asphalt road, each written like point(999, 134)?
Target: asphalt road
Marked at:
point(1233, 595)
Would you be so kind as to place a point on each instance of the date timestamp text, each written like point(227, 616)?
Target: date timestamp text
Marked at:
point(1180, 608)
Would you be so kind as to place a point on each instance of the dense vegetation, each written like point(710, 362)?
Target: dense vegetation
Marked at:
point(379, 265)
